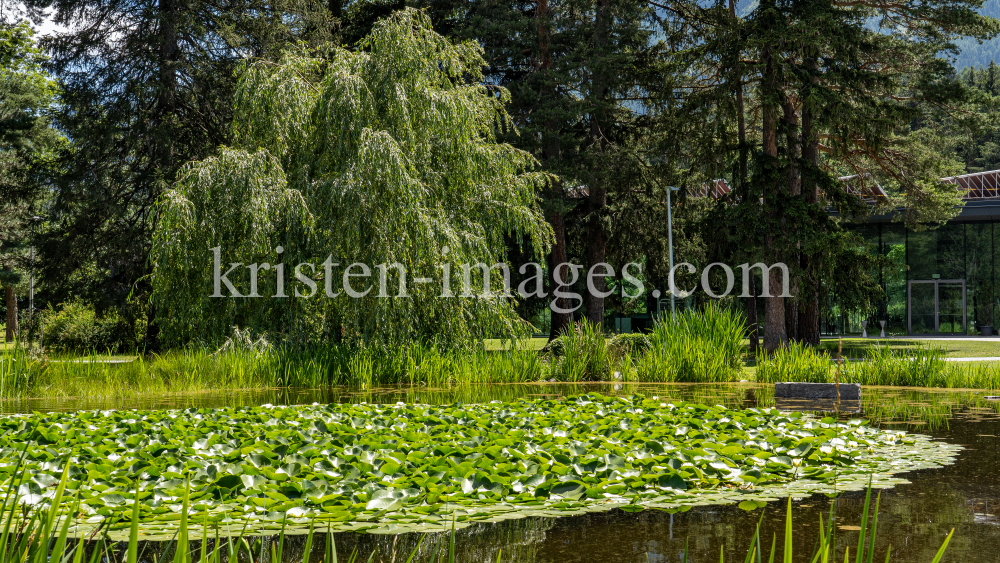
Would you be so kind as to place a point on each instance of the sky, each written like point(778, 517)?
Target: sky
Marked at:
point(13, 10)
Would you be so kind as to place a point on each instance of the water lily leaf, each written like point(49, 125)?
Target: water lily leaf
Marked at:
point(367, 467)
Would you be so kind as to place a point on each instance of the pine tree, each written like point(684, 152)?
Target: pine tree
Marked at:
point(863, 118)
point(823, 112)
point(147, 86)
point(28, 144)
point(584, 77)
point(990, 82)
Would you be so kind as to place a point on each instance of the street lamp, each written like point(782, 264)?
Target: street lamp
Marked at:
point(670, 241)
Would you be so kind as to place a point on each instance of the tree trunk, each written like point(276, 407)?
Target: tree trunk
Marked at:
point(774, 306)
point(11, 299)
point(598, 200)
point(166, 104)
point(809, 306)
point(795, 190)
point(741, 124)
point(743, 188)
point(596, 254)
point(560, 321)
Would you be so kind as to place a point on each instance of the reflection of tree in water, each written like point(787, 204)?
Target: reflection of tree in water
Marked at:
point(511, 540)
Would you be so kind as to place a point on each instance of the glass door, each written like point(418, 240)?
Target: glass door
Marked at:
point(923, 307)
point(951, 307)
point(936, 307)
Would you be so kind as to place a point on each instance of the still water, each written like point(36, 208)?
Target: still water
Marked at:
point(913, 518)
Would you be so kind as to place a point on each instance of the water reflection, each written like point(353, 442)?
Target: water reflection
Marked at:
point(914, 518)
point(818, 405)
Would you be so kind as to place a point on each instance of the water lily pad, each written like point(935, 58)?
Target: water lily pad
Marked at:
point(415, 467)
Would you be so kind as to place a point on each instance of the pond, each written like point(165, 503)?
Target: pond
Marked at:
point(915, 518)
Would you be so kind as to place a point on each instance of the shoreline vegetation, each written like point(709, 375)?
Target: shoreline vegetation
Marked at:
point(43, 535)
point(702, 347)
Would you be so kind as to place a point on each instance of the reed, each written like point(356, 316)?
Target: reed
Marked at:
point(702, 347)
point(916, 367)
point(794, 362)
point(582, 353)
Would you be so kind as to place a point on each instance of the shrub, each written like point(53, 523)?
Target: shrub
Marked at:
point(77, 328)
point(631, 343)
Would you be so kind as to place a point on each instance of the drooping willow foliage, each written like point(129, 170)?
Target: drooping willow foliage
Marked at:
point(383, 155)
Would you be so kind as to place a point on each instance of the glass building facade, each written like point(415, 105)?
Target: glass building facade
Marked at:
point(936, 281)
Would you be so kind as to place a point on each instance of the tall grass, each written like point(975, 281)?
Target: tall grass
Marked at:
point(18, 369)
point(582, 353)
point(703, 346)
point(196, 369)
point(43, 535)
point(918, 367)
point(794, 362)
point(914, 367)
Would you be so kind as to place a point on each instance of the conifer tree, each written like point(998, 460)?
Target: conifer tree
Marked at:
point(990, 82)
point(585, 77)
point(28, 146)
point(147, 86)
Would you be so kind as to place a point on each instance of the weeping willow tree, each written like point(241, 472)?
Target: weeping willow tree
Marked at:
point(381, 156)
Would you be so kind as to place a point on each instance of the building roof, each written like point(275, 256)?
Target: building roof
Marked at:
point(980, 185)
point(716, 188)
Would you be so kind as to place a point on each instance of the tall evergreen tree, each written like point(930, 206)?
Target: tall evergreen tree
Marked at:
point(585, 79)
point(147, 87)
point(28, 145)
point(816, 57)
point(990, 82)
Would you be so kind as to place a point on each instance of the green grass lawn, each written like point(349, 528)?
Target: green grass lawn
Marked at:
point(855, 347)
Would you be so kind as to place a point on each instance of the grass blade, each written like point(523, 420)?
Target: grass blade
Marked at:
point(940, 553)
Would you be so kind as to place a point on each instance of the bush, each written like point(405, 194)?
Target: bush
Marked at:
point(77, 328)
point(631, 343)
